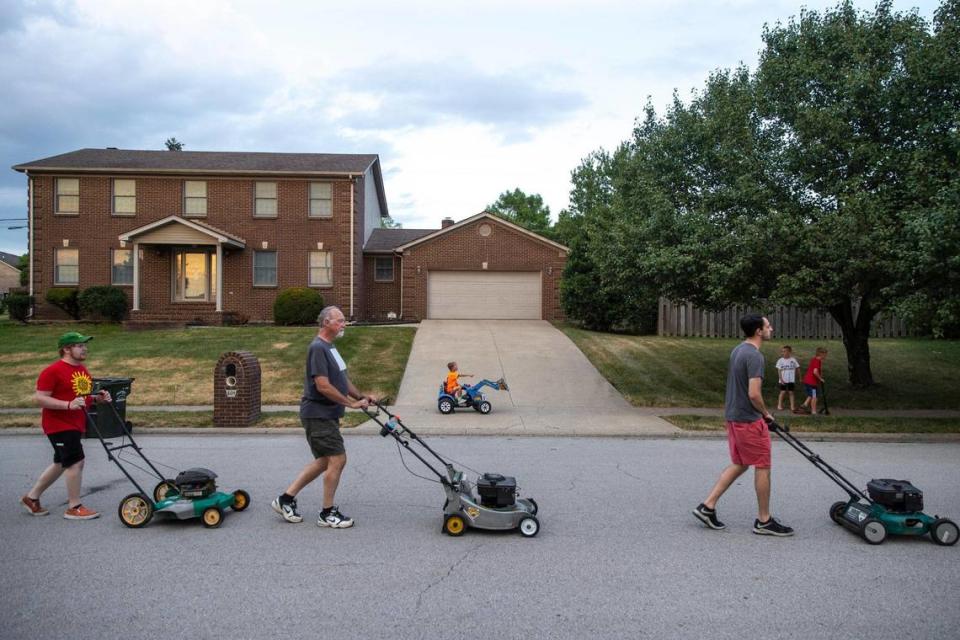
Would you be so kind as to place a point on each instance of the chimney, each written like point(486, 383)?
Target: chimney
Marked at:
point(446, 222)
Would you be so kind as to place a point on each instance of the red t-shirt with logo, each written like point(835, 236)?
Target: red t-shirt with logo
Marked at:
point(816, 364)
point(65, 382)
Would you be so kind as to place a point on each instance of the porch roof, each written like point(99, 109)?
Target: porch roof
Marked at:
point(176, 230)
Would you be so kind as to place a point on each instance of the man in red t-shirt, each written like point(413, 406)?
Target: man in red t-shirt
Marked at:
point(64, 392)
point(812, 381)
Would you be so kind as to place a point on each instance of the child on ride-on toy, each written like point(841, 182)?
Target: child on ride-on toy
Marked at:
point(453, 381)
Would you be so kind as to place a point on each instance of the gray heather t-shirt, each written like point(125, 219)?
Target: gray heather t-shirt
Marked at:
point(323, 360)
point(746, 362)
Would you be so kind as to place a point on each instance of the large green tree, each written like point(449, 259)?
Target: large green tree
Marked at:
point(826, 179)
point(528, 211)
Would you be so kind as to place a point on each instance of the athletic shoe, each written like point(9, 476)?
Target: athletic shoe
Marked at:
point(33, 506)
point(708, 517)
point(771, 528)
point(80, 512)
point(288, 510)
point(333, 518)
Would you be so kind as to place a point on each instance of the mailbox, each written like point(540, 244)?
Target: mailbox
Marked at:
point(236, 390)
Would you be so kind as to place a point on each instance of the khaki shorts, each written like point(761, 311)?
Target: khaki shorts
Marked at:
point(323, 436)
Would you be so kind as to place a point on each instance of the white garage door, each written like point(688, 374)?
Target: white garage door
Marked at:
point(487, 295)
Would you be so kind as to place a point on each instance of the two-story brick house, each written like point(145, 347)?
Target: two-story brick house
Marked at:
point(201, 236)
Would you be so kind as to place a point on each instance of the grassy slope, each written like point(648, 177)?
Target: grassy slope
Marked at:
point(176, 366)
point(691, 372)
point(833, 424)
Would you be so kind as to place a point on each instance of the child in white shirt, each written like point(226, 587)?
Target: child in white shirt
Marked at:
point(787, 367)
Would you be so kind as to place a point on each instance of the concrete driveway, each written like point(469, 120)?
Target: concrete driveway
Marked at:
point(553, 387)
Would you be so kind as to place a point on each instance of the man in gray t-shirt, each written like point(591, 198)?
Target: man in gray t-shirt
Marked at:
point(326, 391)
point(748, 437)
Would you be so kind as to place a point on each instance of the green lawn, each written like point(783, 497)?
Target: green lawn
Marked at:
point(833, 425)
point(691, 372)
point(175, 366)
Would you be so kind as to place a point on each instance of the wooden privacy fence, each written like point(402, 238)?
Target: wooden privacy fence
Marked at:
point(788, 322)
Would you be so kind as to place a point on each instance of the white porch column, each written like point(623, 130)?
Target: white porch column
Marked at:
point(219, 276)
point(136, 276)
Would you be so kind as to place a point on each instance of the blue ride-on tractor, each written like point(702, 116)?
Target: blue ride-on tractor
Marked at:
point(472, 396)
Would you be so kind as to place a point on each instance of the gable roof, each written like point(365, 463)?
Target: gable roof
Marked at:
point(219, 235)
point(387, 240)
point(474, 218)
point(10, 259)
point(213, 162)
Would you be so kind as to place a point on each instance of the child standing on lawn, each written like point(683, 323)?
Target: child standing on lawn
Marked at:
point(812, 380)
point(787, 367)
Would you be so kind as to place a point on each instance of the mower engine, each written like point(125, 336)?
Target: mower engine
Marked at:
point(896, 495)
point(496, 490)
point(196, 483)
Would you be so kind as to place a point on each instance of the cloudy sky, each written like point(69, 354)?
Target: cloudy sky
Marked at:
point(462, 101)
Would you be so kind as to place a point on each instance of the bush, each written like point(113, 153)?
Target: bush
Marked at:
point(19, 305)
point(297, 305)
point(66, 299)
point(103, 303)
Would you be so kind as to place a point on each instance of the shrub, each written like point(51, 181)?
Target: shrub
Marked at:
point(19, 305)
point(297, 305)
point(103, 302)
point(66, 299)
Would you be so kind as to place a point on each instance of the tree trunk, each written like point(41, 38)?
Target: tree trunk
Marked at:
point(856, 334)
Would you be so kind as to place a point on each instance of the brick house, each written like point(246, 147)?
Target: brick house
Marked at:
point(9, 273)
point(218, 234)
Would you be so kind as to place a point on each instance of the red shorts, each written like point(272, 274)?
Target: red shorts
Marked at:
point(749, 443)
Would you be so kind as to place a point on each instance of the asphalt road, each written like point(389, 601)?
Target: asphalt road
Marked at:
point(618, 555)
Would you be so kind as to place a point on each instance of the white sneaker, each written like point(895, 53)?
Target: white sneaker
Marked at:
point(288, 510)
point(334, 519)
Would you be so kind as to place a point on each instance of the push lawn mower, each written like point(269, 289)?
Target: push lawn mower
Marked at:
point(497, 505)
point(892, 507)
point(192, 495)
point(472, 397)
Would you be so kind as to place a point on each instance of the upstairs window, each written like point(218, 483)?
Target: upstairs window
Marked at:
point(265, 200)
point(121, 269)
point(383, 269)
point(321, 200)
point(68, 195)
point(321, 269)
point(264, 268)
point(66, 266)
point(124, 197)
point(194, 198)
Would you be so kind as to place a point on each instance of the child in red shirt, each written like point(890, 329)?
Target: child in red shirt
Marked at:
point(812, 380)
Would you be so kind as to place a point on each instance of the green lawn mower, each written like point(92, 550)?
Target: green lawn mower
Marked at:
point(193, 494)
point(890, 507)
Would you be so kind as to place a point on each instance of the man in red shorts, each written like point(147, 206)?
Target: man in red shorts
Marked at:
point(747, 432)
point(64, 392)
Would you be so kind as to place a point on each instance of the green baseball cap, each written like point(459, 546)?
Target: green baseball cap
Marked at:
point(72, 337)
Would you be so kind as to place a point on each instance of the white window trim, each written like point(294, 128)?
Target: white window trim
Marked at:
point(276, 270)
point(310, 268)
point(56, 198)
point(310, 200)
point(275, 198)
point(206, 199)
point(56, 267)
point(393, 269)
point(114, 196)
point(112, 262)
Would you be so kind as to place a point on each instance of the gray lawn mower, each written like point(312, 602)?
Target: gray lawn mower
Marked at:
point(495, 504)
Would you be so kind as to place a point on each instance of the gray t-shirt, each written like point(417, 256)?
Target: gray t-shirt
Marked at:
point(746, 362)
point(323, 360)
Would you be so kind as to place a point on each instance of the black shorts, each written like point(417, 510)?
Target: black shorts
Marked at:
point(323, 436)
point(67, 448)
point(787, 386)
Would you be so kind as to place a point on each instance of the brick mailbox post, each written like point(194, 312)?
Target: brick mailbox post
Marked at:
point(236, 390)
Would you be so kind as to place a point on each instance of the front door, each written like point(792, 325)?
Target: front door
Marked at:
point(195, 276)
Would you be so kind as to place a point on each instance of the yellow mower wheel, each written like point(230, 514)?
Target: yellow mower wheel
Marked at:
point(241, 500)
point(135, 510)
point(454, 526)
point(212, 517)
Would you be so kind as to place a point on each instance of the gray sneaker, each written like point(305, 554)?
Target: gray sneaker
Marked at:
point(771, 528)
point(287, 510)
point(333, 518)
